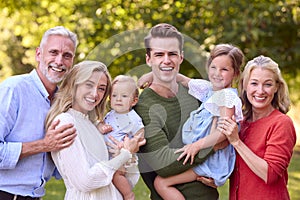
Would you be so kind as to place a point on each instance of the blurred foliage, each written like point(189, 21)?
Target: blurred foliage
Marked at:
point(113, 31)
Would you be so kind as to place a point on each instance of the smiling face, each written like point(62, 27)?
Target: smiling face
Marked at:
point(165, 59)
point(55, 58)
point(221, 72)
point(261, 88)
point(90, 93)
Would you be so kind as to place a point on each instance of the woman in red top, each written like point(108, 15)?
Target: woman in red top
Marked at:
point(267, 137)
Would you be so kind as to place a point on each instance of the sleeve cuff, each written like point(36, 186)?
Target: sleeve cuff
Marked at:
point(12, 156)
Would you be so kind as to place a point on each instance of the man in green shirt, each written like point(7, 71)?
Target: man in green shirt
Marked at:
point(164, 107)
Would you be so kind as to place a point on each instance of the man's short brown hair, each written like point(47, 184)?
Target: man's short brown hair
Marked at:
point(163, 30)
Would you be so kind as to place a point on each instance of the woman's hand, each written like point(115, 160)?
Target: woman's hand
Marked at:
point(114, 147)
point(229, 128)
point(133, 144)
point(189, 151)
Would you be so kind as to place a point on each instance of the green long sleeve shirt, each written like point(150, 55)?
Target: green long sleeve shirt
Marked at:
point(163, 119)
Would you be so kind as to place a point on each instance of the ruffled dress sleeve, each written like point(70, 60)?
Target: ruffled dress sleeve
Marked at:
point(199, 88)
point(226, 97)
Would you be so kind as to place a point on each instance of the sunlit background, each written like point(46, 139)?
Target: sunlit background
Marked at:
point(113, 31)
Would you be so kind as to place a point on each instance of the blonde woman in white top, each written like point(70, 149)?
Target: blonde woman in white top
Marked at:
point(85, 166)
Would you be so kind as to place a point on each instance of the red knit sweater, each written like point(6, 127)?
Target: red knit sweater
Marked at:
point(273, 139)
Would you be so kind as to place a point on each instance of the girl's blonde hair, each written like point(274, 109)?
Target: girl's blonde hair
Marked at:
point(129, 81)
point(281, 100)
point(65, 96)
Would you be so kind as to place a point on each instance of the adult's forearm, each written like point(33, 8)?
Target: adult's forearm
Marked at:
point(164, 161)
point(177, 167)
point(258, 165)
point(163, 165)
point(32, 148)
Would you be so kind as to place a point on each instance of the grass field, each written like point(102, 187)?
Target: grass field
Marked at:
point(55, 189)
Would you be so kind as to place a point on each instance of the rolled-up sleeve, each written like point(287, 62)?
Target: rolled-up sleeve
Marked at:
point(9, 150)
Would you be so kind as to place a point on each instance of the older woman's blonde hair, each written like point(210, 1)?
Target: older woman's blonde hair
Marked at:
point(281, 100)
point(65, 96)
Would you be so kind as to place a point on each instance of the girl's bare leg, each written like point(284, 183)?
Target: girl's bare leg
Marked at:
point(165, 186)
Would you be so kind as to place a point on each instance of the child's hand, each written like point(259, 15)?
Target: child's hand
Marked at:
point(189, 151)
point(104, 128)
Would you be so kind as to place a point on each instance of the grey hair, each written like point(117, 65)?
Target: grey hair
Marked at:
point(59, 30)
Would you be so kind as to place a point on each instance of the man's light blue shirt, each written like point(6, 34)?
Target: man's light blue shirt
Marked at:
point(24, 106)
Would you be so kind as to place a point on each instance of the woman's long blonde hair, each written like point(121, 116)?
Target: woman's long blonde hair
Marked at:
point(281, 100)
point(64, 98)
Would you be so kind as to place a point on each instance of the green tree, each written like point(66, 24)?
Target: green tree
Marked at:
point(268, 27)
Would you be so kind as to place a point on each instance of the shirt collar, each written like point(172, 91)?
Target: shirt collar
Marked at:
point(38, 82)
